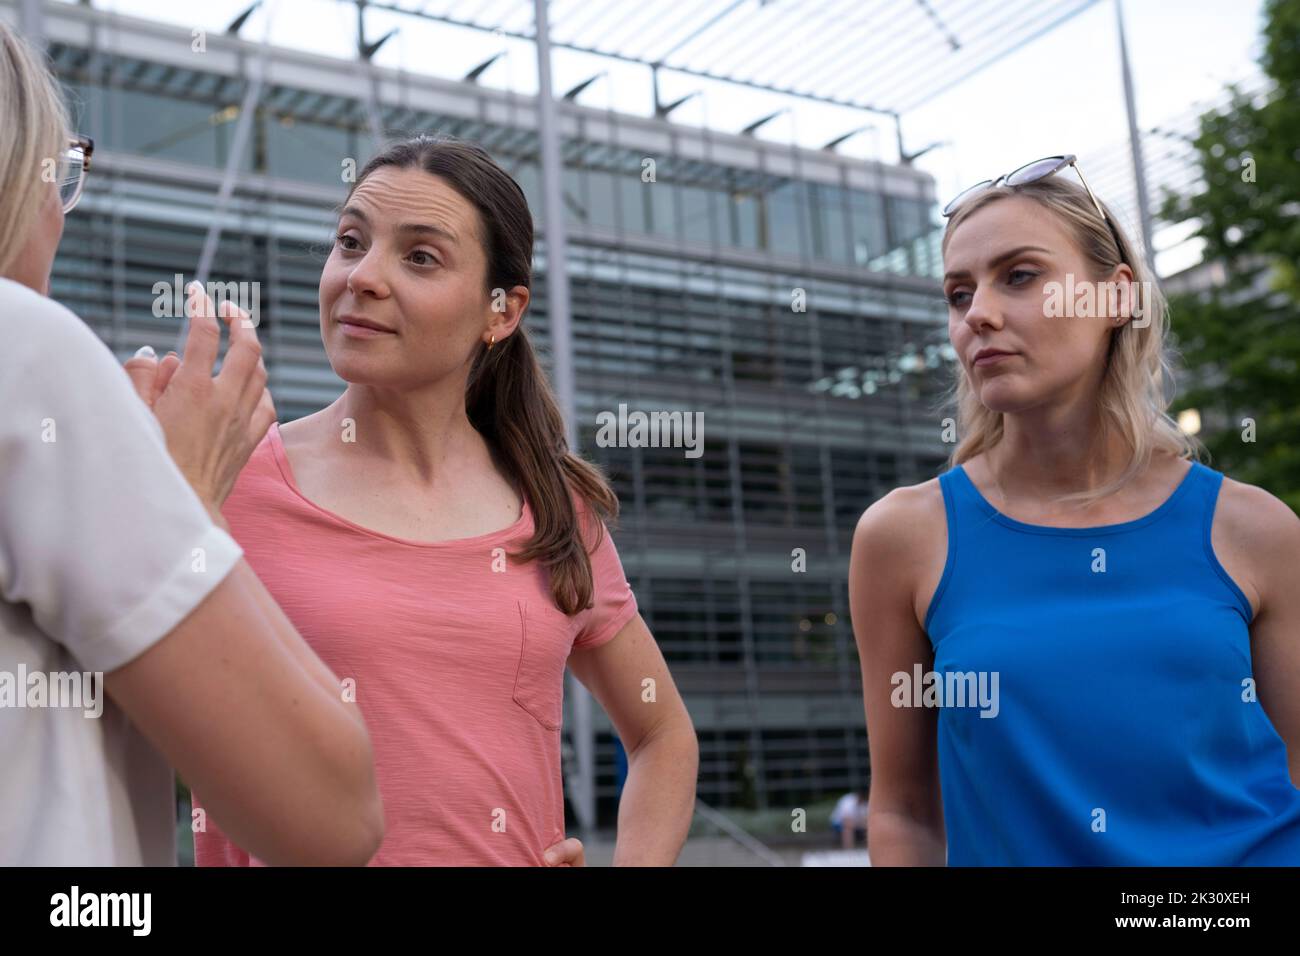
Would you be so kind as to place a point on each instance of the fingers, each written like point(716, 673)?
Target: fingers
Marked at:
point(240, 386)
point(245, 351)
point(166, 369)
point(142, 368)
point(204, 339)
point(565, 853)
point(243, 374)
point(242, 367)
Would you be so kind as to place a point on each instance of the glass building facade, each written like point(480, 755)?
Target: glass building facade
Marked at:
point(788, 295)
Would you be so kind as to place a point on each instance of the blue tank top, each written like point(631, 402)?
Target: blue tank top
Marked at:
point(1118, 725)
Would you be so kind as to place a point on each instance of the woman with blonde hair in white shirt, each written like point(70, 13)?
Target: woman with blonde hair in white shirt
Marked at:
point(117, 575)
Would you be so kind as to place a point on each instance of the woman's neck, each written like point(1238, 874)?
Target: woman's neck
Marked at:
point(417, 434)
point(1050, 455)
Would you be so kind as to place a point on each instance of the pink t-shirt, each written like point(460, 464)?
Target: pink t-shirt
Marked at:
point(457, 656)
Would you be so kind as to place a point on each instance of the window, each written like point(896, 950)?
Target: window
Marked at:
point(307, 152)
point(787, 219)
point(745, 218)
point(866, 226)
point(663, 211)
point(634, 199)
point(167, 128)
point(601, 200)
point(698, 214)
point(831, 224)
point(529, 180)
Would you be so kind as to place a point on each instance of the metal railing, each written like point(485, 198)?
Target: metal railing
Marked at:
point(738, 833)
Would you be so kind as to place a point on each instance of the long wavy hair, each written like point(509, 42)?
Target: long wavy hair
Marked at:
point(508, 398)
point(1139, 360)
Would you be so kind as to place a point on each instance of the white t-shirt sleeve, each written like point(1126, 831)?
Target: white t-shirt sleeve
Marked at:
point(100, 534)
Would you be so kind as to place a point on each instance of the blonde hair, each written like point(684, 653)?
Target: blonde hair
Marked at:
point(36, 122)
point(1139, 363)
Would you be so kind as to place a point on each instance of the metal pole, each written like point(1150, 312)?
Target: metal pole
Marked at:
point(1135, 142)
point(243, 126)
point(582, 782)
point(371, 82)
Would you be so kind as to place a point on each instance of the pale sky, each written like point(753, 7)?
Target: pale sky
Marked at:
point(1060, 93)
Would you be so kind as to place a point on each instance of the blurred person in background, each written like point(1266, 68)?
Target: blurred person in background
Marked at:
point(849, 819)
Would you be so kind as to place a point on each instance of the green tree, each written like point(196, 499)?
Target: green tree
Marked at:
point(1240, 342)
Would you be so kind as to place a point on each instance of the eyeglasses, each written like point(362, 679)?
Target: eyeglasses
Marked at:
point(1031, 172)
point(72, 170)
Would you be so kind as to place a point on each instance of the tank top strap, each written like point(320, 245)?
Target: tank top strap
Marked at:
point(1188, 515)
point(1202, 495)
point(962, 499)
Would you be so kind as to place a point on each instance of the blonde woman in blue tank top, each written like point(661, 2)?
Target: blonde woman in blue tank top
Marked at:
point(1080, 645)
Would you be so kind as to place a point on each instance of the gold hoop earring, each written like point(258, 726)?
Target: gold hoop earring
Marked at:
point(492, 342)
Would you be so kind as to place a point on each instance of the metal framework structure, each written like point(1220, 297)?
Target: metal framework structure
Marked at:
point(886, 57)
point(1170, 163)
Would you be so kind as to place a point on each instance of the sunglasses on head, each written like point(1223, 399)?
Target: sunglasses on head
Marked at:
point(1031, 172)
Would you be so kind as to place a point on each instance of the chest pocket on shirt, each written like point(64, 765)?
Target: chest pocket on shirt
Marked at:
point(546, 637)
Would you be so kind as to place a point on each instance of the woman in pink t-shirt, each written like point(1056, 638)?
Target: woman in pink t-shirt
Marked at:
point(433, 539)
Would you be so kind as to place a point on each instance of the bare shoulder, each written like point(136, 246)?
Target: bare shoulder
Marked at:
point(296, 432)
point(1250, 510)
point(317, 472)
point(900, 548)
point(901, 544)
point(904, 515)
point(306, 439)
point(1260, 534)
